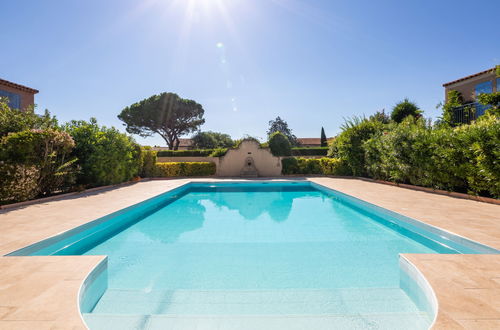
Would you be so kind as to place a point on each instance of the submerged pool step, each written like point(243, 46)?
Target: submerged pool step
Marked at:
point(386, 321)
point(255, 302)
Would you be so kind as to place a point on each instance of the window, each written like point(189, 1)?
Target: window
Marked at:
point(498, 84)
point(14, 99)
point(483, 88)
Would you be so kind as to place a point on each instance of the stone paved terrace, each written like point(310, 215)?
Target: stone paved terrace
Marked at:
point(41, 292)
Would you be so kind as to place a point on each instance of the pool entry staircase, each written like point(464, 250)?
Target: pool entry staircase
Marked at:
point(377, 308)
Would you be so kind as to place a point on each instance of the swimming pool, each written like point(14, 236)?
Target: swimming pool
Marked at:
point(262, 255)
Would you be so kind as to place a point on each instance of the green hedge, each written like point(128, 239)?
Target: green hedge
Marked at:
point(325, 166)
point(173, 169)
point(148, 162)
point(105, 155)
point(317, 151)
point(193, 153)
point(464, 159)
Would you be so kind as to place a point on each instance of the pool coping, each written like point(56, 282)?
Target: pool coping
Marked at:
point(437, 325)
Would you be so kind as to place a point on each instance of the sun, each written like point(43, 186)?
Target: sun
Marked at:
point(205, 6)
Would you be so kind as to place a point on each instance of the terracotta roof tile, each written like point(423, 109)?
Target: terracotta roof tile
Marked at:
point(311, 140)
point(17, 86)
point(470, 76)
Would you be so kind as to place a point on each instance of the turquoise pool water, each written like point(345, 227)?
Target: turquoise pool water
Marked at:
point(235, 256)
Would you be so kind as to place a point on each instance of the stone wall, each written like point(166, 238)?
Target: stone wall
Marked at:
point(234, 162)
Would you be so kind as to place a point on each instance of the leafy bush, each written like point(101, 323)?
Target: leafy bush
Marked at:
point(404, 109)
point(334, 166)
point(13, 120)
point(493, 100)
point(148, 162)
point(19, 182)
point(219, 152)
point(348, 146)
point(316, 151)
point(464, 158)
point(174, 169)
point(483, 154)
point(247, 137)
point(455, 99)
point(48, 150)
point(326, 166)
point(280, 125)
point(279, 144)
point(289, 166)
point(185, 153)
point(34, 155)
point(105, 155)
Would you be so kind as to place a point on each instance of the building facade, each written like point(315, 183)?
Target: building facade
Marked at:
point(20, 97)
point(484, 82)
point(471, 86)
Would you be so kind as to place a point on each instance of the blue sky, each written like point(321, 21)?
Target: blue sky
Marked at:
point(246, 61)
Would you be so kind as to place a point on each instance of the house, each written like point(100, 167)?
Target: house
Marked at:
point(470, 87)
point(184, 144)
point(311, 142)
point(20, 97)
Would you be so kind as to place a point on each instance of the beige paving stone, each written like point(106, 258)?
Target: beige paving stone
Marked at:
point(458, 299)
point(480, 324)
point(39, 297)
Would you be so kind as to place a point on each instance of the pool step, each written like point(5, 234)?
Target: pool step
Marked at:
point(255, 302)
point(385, 321)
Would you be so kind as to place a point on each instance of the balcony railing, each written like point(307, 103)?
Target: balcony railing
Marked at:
point(468, 112)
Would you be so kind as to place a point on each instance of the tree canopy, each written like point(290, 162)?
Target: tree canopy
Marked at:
point(212, 140)
point(404, 109)
point(279, 125)
point(165, 114)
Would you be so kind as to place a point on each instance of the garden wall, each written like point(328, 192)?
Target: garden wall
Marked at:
point(233, 163)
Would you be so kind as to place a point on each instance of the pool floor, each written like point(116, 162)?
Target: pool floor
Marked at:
point(271, 258)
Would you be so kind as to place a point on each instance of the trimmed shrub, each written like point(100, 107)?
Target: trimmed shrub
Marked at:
point(279, 144)
point(173, 169)
point(218, 152)
point(326, 166)
point(185, 153)
point(290, 166)
point(334, 166)
point(313, 151)
point(148, 162)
